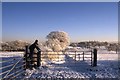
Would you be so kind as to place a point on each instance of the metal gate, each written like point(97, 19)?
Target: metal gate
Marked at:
point(12, 68)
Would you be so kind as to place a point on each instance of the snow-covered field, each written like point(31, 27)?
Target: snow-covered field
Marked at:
point(107, 67)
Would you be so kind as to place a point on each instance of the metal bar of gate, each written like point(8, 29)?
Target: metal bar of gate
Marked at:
point(12, 68)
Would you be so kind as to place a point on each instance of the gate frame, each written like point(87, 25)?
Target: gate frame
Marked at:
point(26, 56)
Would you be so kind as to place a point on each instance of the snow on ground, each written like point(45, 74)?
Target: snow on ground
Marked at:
point(104, 51)
point(107, 67)
point(11, 54)
point(107, 56)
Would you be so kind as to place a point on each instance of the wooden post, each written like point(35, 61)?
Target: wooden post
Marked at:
point(25, 56)
point(38, 58)
point(75, 55)
point(83, 56)
point(95, 57)
point(26, 49)
point(116, 51)
point(91, 57)
point(79, 56)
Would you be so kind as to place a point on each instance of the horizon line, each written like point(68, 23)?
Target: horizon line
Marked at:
point(70, 40)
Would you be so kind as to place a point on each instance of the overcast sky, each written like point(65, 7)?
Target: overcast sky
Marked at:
point(82, 21)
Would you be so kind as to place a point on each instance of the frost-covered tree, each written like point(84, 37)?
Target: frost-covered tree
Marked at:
point(56, 41)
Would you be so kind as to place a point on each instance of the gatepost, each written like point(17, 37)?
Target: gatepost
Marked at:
point(94, 57)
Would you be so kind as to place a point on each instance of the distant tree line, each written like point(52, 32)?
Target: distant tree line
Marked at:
point(92, 44)
point(16, 45)
point(19, 45)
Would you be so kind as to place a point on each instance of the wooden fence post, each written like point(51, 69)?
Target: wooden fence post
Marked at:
point(25, 56)
point(95, 57)
point(83, 56)
point(75, 55)
point(116, 51)
point(38, 58)
point(91, 57)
